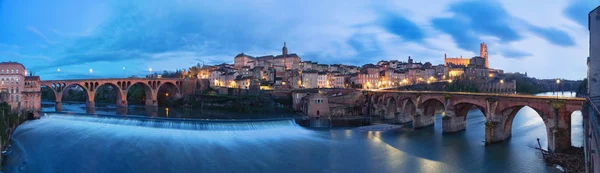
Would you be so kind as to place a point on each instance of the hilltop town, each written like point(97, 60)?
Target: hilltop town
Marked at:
point(287, 72)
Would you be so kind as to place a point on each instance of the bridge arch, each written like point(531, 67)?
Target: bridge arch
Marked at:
point(407, 108)
point(390, 108)
point(499, 124)
point(430, 105)
point(509, 114)
point(426, 111)
point(169, 84)
point(462, 108)
point(116, 88)
point(377, 104)
point(166, 91)
point(148, 91)
point(50, 87)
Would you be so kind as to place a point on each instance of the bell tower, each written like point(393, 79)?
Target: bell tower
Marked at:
point(284, 55)
point(284, 50)
point(484, 53)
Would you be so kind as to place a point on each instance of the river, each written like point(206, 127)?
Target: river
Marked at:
point(82, 143)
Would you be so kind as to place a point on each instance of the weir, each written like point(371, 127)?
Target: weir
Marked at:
point(183, 124)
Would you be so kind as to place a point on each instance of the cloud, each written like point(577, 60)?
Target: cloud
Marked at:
point(175, 35)
point(19, 56)
point(40, 34)
point(578, 11)
point(554, 36)
point(401, 26)
point(472, 19)
point(9, 47)
point(514, 54)
point(365, 45)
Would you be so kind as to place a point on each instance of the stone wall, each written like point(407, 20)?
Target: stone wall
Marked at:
point(594, 58)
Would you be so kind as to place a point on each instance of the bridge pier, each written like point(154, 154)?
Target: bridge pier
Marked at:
point(561, 140)
point(421, 120)
point(152, 111)
point(58, 106)
point(389, 114)
point(90, 107)
point(58, 103)
point(452, 123)
point(122, 110)
point(405, 113)
point(495, 132)
point(559, 130)
point(151, 103)
point(122, 107)
point(403, 117)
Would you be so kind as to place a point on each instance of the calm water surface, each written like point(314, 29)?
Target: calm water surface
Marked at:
point(77, 143)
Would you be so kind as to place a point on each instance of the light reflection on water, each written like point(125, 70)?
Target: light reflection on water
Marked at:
point(61, 145)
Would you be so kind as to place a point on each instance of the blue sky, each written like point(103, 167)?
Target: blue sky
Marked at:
point(546, 40)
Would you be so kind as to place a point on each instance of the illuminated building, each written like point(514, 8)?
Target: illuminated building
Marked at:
point(483, 53)
point(20, 91)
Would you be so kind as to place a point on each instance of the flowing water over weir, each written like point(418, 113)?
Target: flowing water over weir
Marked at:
point(183, 124)
point(83, 143)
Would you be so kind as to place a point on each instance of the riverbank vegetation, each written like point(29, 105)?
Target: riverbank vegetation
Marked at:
point(9, 120)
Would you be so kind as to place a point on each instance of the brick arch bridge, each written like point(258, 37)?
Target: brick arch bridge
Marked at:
point(151, 87)
point(499, 111)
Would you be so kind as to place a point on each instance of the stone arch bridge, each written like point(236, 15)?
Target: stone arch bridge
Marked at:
point(151, 87)
point(499, 110)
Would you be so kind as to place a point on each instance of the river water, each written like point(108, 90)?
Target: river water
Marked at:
point(82, 143)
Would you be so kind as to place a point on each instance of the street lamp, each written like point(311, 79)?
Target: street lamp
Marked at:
point(557, 85)
point(502, 81)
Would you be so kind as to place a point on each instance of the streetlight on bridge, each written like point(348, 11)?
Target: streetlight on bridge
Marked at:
point(557, 85)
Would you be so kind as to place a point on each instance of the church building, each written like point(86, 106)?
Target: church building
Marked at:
point(483, 53)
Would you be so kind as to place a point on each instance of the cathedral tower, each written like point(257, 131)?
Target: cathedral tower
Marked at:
point(484, 53)
point(284, 50)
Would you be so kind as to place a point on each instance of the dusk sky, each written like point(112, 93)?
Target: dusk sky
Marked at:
point(546, 39)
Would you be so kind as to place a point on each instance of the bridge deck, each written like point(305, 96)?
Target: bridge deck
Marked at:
point(482, 94)
point(110, 79)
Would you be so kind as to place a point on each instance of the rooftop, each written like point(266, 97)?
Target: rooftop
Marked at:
point(32, 78)
point(12, 63)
